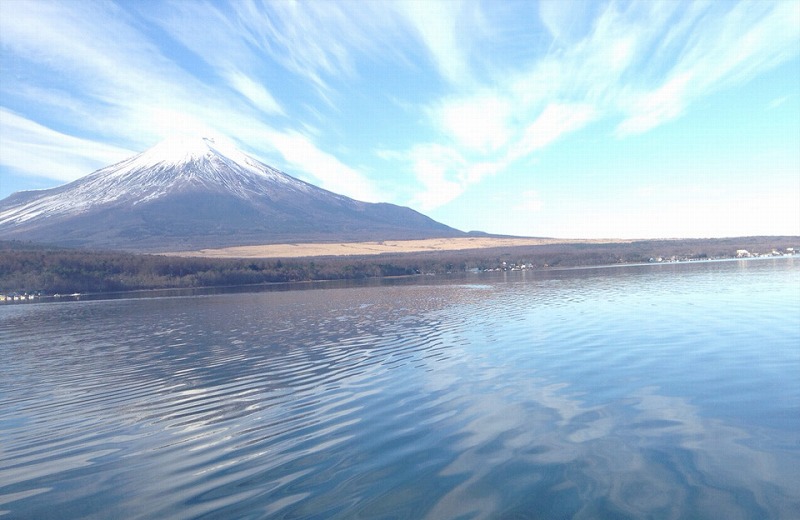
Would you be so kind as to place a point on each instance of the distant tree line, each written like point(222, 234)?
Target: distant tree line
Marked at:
point(68, 270)
point(31, 267)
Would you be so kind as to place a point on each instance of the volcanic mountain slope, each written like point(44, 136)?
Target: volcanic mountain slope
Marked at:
point(196, 193)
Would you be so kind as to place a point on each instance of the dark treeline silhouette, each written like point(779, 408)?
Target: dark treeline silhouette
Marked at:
point(32, 267)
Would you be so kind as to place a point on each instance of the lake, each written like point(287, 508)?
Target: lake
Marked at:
point(658, 391)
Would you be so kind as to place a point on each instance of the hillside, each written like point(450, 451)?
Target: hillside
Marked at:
point(200, 193)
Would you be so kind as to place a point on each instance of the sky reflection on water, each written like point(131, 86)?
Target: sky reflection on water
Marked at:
point(662, 391)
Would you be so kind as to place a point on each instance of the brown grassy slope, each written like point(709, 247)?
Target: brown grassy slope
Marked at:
point(383, 247)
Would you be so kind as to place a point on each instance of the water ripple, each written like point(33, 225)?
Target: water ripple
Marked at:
point(657, 391)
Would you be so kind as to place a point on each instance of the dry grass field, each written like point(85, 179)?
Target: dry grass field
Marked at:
point(377, 248)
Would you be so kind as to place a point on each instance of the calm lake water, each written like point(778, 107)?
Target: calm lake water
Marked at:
point(663, 391)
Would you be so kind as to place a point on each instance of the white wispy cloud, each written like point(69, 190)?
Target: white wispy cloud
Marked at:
point(328, 171)
point(441, 27)
point(126, 89)
point(320, 42)
point(436, 168)
point(566, 21)
point(555, 121)
point(297, 36)
point(732, 47)
point(254, 92)
point(775, 103)
point(264, 67)
point(480, 122)
point(641, 64)
point(649, 109)
point(26, 146)
point(109, 67)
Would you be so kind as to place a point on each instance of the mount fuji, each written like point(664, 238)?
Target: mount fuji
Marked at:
point(193, 193)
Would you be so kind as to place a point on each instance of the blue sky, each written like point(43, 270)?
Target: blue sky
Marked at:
point(568, 119)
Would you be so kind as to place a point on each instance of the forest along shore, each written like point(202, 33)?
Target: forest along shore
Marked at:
point(31, 269)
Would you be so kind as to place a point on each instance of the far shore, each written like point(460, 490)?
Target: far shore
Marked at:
point(302, 250)
point(35, 270)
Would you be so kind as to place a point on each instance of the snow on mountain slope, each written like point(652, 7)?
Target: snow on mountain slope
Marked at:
point(200, 192)
point(176, 164)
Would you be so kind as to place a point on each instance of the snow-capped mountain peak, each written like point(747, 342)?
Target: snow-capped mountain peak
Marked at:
point(176, 164)
point(182, 149)
point(190, 156)
point(192, 192)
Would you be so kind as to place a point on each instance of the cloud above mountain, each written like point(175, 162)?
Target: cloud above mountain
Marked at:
point(413, 102)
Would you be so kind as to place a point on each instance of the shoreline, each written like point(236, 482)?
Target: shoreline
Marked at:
point(308, 284)
point(35, 273)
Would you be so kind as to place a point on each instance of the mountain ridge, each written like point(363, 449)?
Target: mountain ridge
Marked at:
point(197, 193)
